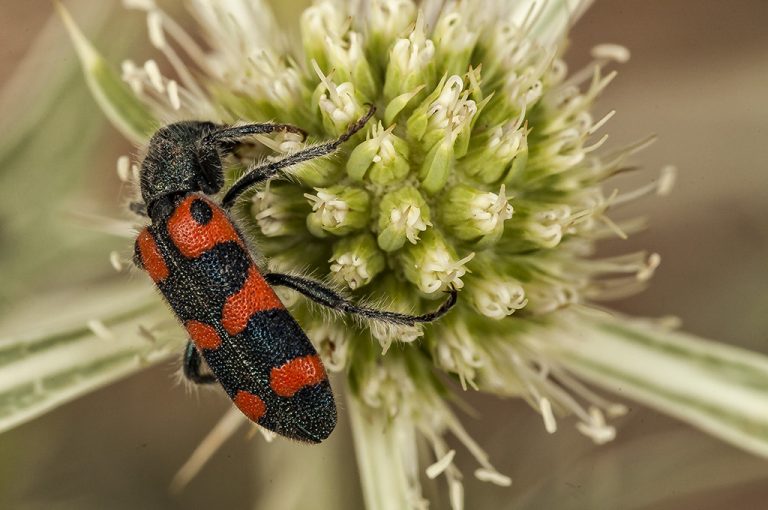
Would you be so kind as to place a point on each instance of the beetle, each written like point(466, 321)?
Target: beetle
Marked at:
point(201, 263)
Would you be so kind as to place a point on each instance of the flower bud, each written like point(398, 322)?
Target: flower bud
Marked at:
point(400, 299)
point(338, 210)
point(383, 158)
point(347, 59)
point(321, 20)
point(273, 88)
point(474, 215)
point(332, 344)
point(387, 20)
point(356, 260)
point(411, 63)
point(432, 265)
point(338, 104)
point(403, 215)
point(542, 224)
point(493, 153)
point(443, 118)
point(496, 296)
point(453, 40)
point(279, 210)
point(548, 296)
point(450, 115)
point(508, 50)
point(454, 350)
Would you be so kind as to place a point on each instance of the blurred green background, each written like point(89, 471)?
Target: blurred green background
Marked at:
point(698, 78)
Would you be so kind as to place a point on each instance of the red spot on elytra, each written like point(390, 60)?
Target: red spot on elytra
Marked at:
point(297, 374)
point(255, 296)
point(203, 335)
point(193, 239)
point(251, 405)
point(151, 259)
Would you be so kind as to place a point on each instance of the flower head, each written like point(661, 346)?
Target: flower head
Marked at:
point(481, 172)
point(477, 175)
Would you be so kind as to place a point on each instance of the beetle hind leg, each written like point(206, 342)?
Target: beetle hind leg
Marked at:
point(191, 366)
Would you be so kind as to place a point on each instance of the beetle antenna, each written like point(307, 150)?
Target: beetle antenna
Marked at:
point(265, 172)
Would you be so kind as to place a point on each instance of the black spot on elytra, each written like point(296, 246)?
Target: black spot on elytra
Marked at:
point(201, 212)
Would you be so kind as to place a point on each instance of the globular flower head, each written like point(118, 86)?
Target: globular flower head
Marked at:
point(479, 172)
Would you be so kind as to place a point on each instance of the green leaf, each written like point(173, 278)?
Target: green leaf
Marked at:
point(96, 337)
point(720, 389)
point(117, 101)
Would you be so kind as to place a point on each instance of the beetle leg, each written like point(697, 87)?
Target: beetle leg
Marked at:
point(326, 296)
point(191, 366)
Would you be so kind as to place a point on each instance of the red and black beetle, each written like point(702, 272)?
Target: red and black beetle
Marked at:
point(200, 262)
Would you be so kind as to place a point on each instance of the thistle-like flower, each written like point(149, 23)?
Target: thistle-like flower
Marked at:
point(482, 171)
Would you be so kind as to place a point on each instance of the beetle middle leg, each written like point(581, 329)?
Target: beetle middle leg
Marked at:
point(326, 296)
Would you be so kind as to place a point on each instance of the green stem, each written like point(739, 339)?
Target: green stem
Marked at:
point(381, 445)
